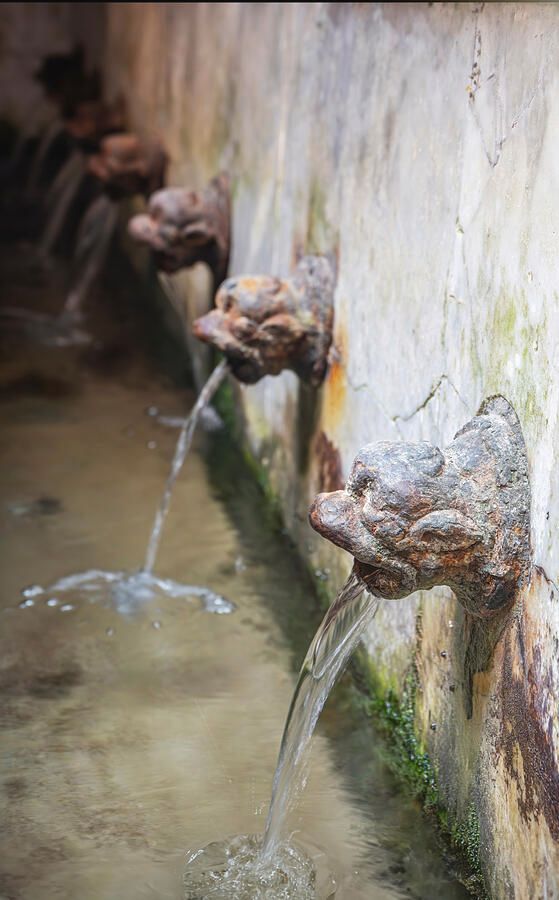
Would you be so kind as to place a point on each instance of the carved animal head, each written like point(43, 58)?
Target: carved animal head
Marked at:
point(184, 227)
point(414, 516)
point(128, 165)
point(264, 325)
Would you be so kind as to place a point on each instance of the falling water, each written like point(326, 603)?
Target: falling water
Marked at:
point(248, 867)
point(50, 134)
point(327, 656)
point(210, 419)
point(60, 197)
point(93, 241)
point(182, 448)
point(170, 291)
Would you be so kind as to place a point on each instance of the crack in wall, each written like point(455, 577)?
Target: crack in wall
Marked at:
point(541, 571)
point(430, 396)
point(475, 84)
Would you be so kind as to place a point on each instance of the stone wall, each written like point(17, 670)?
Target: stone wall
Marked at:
point(418, 142)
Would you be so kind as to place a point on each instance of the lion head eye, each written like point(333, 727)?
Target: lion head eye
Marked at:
point(244, 328)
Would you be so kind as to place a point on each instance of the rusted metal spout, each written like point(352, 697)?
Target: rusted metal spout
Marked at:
point(414, 516)
point(127, 164)
point(264, 325)
point(183, 227)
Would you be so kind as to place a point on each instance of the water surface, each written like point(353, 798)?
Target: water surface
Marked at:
point(130, 739)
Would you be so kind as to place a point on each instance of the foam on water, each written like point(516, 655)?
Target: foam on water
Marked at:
point(233, 870)
point(126, 591)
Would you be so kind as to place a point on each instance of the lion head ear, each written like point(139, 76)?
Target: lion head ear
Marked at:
point(443, 531)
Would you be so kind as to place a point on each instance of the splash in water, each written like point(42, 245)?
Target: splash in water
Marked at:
point(232, 870)
point(125, 591)
point(255, 867)
point(129, 590)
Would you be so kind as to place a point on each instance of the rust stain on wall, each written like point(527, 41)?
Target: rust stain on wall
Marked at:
point(335, 385)
point(525, 744)
point(330, 477)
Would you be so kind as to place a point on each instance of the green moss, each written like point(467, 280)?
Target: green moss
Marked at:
point(226, 405)
point(261, 476)
point(395, 717)
point(465, 837)
point(320, 235)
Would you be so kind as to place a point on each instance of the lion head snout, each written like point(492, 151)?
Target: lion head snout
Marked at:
point(210, 329)
point(329, 514)
point(141, 229)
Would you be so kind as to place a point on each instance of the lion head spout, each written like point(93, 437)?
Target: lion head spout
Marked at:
point(414, 516)
point(127, 164)
point(264, 325)
point(183, 227)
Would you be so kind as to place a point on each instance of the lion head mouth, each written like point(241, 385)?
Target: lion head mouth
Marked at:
point(227, 335)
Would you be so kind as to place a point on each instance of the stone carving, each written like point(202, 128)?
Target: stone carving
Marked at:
point(183, 227)
point(264, 325)
point(414, 516)
point(127, 164)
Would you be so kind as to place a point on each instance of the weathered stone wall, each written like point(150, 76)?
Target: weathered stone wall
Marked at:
point(30, 31)
point(419, 142)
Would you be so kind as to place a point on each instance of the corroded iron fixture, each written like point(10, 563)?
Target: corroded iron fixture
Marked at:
point(183, 227)
point(264, 325)
point(127, 164)
point(414, 516)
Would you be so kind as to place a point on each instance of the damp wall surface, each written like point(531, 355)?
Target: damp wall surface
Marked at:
point(418, 142)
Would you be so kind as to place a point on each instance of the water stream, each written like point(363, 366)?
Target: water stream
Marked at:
point(337, 637)
point(59, 199)
point(47, 139)
point(94, 238)
point(209, 418)
point(183, 446)
point(92, 244)
point(247, 867)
